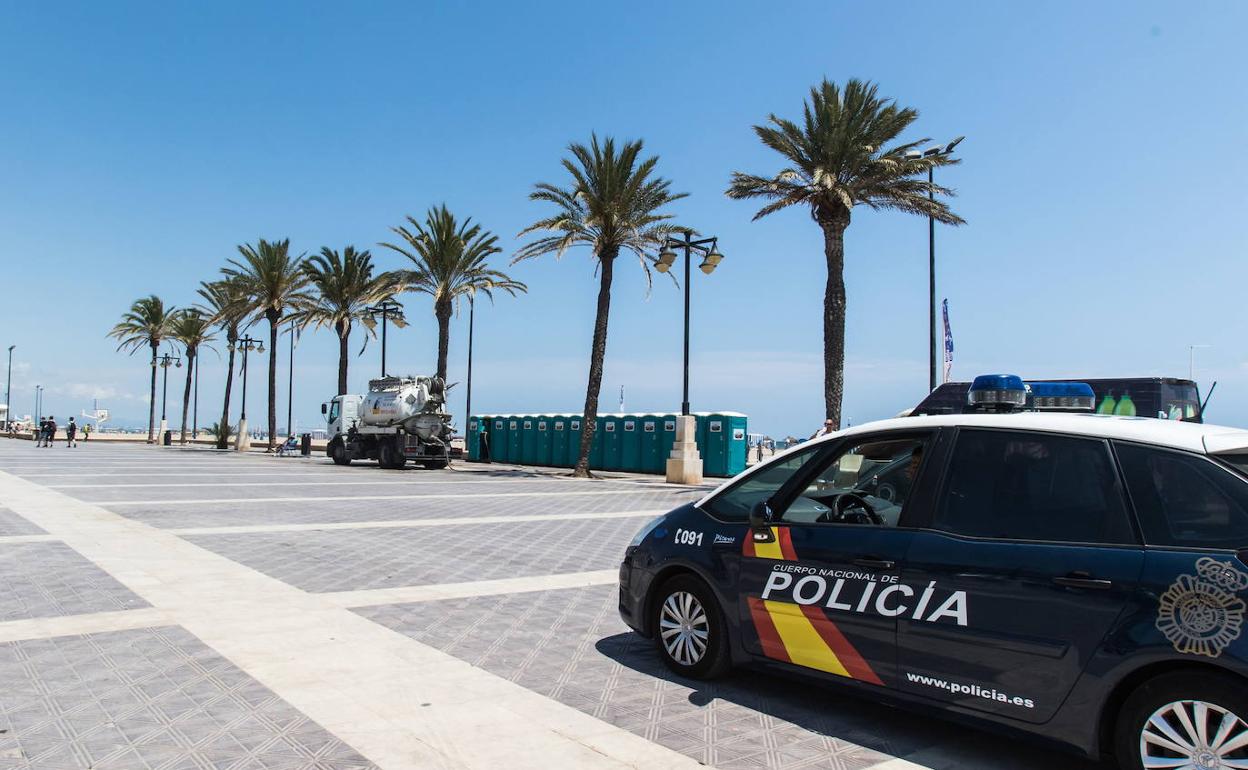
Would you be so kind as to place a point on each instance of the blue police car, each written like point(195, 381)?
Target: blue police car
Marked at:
point(1077, 577)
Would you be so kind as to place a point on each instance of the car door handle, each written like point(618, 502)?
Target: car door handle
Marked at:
point(871, 563)
point(1082, 579)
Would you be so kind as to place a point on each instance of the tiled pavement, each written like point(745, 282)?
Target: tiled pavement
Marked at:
point(503, 676)
point(154, 699)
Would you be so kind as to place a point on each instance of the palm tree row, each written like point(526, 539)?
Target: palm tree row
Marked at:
point(332, 289)
point(843, 153)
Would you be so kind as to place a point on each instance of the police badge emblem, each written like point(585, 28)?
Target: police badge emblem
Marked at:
point(1200, 614)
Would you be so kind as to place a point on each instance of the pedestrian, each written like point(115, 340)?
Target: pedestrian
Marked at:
point(71, 430)
point(760, 450)
point(86, 432)
point(39, 431)
point(828, 427)
point(49, 433)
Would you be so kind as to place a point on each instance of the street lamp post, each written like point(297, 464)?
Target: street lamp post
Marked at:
point(685, 464)
point(472, 304)
point(8, 392)
point(931, 256)
point(165, 361)
point(38, 404)
point(195, 409)
point(1191, 361)
point(387, 309)
point(290, 386)
point(246, 343)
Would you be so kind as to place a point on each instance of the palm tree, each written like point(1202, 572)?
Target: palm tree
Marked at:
point(276, 282)
point(226, 303)
point(837, 159)
point(612, 205)
point(147, 324)
point(450, 259)
point(192, 328)
point(345, 288)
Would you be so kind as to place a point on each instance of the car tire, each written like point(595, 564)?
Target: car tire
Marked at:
point(696, 641)
point(1155, 714)
point(338, 453)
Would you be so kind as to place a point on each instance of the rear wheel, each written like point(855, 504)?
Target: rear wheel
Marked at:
point(1189, 719)
point(338, 453)
point(689, 629)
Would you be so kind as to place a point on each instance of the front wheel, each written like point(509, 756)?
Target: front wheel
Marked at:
point(689, 629)
point(338, 453)
point(1190, 719)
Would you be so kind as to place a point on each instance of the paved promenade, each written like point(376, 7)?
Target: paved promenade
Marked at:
point(174, 608)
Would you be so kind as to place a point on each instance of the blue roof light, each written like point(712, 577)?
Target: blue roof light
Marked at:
point(997, 391)
point(1062, 396)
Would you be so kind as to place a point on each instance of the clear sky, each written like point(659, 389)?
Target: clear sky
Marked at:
point(1103, 186)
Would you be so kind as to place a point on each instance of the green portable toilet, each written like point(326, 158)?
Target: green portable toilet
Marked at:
point(472, 439)
point(612, 435)
point(597, 450)
point(574, 439)
point(630, 443)
point(528, 439)
point(722, 442)
point(515, 439)
point(542, 440)
point(667, 438)
point(559, 441)
point(651, 444)
point(498, 440)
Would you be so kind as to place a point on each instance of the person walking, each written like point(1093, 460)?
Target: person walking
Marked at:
point(49, 431)
point(86, 432)
point(71, 430)
point(41, 431)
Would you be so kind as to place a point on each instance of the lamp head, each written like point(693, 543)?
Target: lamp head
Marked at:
point(260, 349)
point(667, 258)
point(949, 147)
point(711, 261)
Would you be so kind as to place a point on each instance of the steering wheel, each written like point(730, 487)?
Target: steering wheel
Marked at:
point(841, 508)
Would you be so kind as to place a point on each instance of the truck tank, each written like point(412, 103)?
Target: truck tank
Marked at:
point(415, 403)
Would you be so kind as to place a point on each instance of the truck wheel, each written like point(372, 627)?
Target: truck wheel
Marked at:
point(338, 453)
point(385, 455)
point(689, 629)
point(1185, 718)
point(436, 465)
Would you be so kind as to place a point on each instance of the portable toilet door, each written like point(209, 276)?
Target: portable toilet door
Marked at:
point(597, 450)
point(630, 443)
point(515, 437)
point(738, 443)
point(499, 441)
point(651, 454)
point(559, 441)
point(472, 439)
point(542, 440)
point(715, 450)
point(574, 440)
point(528, 440)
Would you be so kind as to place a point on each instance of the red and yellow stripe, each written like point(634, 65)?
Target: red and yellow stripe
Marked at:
point(797, 633)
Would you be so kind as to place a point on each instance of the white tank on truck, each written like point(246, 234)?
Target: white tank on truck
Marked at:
point(399, 419)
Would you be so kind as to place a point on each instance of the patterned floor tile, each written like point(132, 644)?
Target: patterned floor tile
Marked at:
point(151, 699)
point(12, 524)
point(356, 559)
point(39, 580)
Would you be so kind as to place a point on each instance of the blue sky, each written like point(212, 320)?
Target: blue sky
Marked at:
point(1102, 184)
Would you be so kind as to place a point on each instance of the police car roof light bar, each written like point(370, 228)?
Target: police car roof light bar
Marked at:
point(997, 392)
point(1062, 397)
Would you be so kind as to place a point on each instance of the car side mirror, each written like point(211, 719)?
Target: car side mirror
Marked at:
point(760, 523)
point(324, 408)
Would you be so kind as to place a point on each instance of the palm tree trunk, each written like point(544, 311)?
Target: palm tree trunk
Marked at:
point(834, 317)
point(223, 440)
point(186, 394)
point(151, 414)
point(597, 355)
point(442, 309)
point(274, 319)
point(344, 332)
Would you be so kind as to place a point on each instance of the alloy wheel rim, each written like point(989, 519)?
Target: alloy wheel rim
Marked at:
point(1194, 735)
point(684, 628)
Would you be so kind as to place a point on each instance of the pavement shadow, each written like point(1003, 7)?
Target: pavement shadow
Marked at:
point(826, 709)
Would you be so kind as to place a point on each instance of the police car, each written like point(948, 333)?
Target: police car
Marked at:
point(1076, 577)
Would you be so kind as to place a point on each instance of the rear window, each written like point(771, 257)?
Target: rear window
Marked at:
point(1186, 500)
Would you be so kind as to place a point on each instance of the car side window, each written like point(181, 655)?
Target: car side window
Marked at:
point(1032, 486)
point(735, 503)
point(867, 483)
point(1185, 500)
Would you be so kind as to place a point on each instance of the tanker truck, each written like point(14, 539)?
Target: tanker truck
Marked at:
point(400, 419)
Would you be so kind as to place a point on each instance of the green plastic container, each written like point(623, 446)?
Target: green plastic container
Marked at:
point(1125, 407)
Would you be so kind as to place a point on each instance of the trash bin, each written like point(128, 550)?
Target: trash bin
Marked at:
point(168, 439)
point(305, 444)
